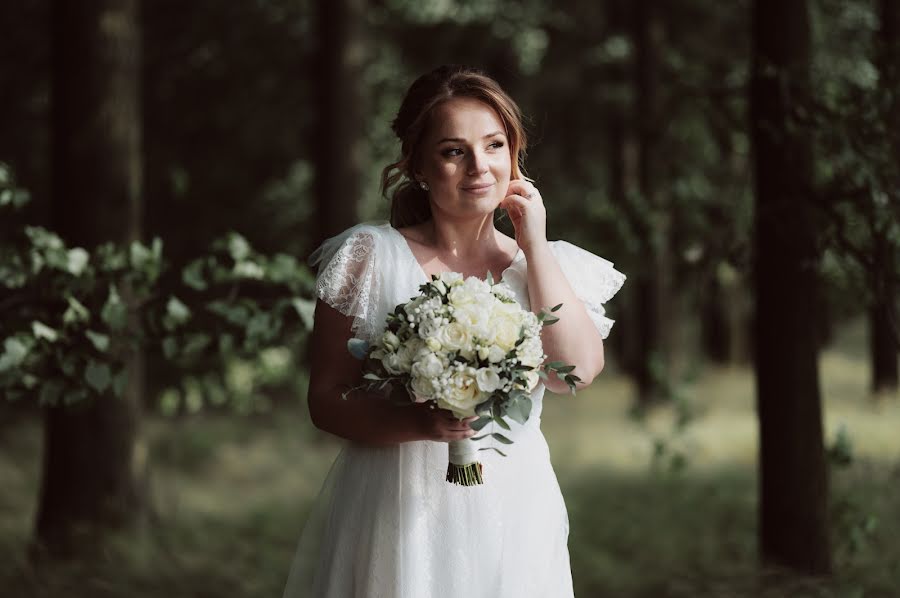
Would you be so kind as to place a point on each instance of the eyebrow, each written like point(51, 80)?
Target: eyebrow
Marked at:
point(458, 140)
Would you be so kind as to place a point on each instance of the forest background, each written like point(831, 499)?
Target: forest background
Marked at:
point(165, 168)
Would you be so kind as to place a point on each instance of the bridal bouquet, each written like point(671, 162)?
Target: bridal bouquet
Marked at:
point(470, 348)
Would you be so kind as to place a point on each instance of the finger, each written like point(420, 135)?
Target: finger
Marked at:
point(521, 187)
point(516, 201)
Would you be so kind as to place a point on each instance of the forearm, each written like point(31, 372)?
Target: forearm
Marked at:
point(574, 339)
point(363, 418)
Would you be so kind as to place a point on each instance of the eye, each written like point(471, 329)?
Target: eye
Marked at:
point(497, 144)
point(449, 152)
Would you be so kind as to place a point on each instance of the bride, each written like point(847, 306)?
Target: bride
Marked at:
point(386, 523)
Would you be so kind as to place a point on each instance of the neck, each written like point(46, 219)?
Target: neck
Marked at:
point(463, 238)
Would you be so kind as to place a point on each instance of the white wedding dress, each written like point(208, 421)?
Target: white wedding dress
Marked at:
point(386, 523)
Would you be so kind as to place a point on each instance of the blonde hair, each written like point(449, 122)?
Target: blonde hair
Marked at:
point(409, 203)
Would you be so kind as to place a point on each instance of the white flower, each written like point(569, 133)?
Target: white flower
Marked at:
point(531, 380)
point(475, 318)
point(496, 354)
point(433, 343)
point(505, 325)
point(487, 379)
point(531, 352)
point(454, 336)
point(462, 395)
point(423, 388)
point(390, 341)
point(429, 366)
point(451, 278)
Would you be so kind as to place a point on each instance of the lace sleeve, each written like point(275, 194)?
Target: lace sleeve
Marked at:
point(347, 278)
point(593, 279)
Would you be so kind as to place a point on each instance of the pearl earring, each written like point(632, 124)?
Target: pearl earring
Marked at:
point(423, 185)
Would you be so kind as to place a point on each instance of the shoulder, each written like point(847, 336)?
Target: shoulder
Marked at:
point(590, 275)
point(357, 243)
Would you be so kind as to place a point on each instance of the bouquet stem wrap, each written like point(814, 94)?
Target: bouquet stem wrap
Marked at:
point(464, 468)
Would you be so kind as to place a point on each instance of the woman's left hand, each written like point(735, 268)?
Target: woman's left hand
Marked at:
point(525, 207)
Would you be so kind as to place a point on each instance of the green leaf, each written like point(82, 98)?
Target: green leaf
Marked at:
point(97, 375)
point(120, 381)
point(114, 313)
point(100, 341)
point(238, 247)
point(192, 275)
point(501, 438)
point(372, 376)
point(501, 422)
point(170, 347)
point(177, 313)
point(556, 307)
point(76, 311)
point(553, 365)
point(565, 369)
point(76, 261)
point(41, 330)
point(305, 309)
point(480, 423)
point(14, 352)
point(196, 343)
point(519, 410)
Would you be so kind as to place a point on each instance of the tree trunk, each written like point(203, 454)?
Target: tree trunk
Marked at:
point(340, 131)
point(884, 326)
point(89, 481)
point(883, 321)
point(793, 516)
point(654, 285)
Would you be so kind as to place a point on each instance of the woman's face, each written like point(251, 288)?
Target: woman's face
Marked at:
point(465, 158)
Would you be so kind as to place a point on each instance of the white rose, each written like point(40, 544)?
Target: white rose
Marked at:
point(505, 329)
point(462, 395)
point(433, 343)
point(454, 336)
point(487, 379)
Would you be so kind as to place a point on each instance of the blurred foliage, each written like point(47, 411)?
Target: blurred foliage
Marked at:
point(71, 315)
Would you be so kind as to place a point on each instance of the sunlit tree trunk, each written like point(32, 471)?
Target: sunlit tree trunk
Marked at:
point(89, 477)
point(340, 133)
point(793, 514)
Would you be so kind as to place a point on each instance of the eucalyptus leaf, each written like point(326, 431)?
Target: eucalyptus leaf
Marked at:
point(480, 423)
point(358, 347)
point(501, 438)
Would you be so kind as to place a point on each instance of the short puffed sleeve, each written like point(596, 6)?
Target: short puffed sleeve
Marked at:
point(593, 279)
point(347, 278)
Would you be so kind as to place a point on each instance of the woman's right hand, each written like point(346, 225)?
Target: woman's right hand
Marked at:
point(440, 425)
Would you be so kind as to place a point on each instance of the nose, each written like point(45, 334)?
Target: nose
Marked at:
point(477, 163)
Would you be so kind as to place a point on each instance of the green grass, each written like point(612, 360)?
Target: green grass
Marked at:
point(230, 495)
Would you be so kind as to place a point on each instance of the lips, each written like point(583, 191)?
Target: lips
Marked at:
point(480, 187)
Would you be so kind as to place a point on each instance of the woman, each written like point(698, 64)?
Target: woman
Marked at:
point(387, 524)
